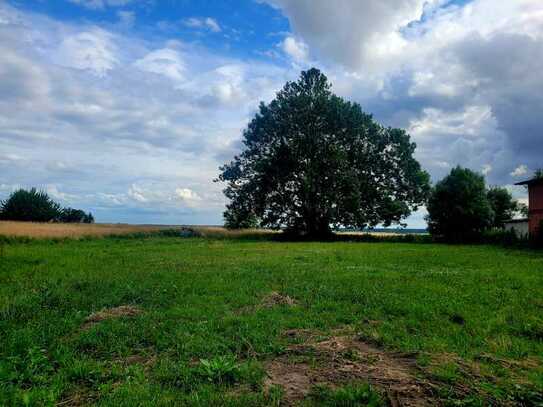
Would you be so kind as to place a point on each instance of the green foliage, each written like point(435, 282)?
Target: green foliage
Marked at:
point(37, 206)
point(313, 160)
point(220, 369)
point(239, 216)
point(503, 237)
point(32, 205)
point(70, 215)
point(458, 207)
point(522, 209)
point(503, 206)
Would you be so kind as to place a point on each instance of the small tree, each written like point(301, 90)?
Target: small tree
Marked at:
point(313, 160)
point(32, 205)
point(503, 206)
point(88, 218)
point(71, 215)
point(458, 208)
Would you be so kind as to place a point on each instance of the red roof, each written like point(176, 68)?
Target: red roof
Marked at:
point(533, 181)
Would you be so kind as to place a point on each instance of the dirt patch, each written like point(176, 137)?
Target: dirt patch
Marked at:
point(147, 361)
point(274, 298)
point(110, 313)
point(341, 360)
point(79, 397)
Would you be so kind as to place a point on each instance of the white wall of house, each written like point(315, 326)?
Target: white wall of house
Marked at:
point(520, 227)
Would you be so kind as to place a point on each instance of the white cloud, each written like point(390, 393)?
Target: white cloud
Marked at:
point(203, 23)
point(296, 49)
point(460, 77)
point(520, 171)
point(94, 50)
point(353, 33)
point(136, 193)
point(212, 24)
point(166, 61)
point(487, 168)
point(100, 4)
point(134, 118)
point(117, 124)
point(188, 197)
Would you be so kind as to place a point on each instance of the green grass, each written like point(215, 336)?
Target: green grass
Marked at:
point(202, 339)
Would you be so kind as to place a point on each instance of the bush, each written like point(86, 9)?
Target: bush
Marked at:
point(503, 237)
point(459, 208)
point(37, 206)
point(32, 206)
point(70, 215)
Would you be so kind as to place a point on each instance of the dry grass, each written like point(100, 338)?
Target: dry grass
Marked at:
point(72, 230)
point(218, 232)
point(78, 230)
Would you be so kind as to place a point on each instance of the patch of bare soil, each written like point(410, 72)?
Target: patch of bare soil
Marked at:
point(341, 360)
point(274, 298)
point(110, 313)
point(80, 397)
point(147, 361)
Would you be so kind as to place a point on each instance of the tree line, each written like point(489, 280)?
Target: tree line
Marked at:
point(37, 206)
point(313, 162)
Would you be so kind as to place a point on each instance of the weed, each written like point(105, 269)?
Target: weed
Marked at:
point(220, 369)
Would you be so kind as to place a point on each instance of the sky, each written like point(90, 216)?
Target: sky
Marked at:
point(127, 108)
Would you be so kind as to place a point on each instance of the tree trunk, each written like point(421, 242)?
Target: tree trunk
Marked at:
point(318, 227)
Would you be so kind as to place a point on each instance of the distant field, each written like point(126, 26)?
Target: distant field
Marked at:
point(205, 321)
point(72, 230)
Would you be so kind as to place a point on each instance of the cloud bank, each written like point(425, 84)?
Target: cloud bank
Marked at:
point(135, 126)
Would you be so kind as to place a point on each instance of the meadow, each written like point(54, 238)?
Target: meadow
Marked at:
point(159, 319)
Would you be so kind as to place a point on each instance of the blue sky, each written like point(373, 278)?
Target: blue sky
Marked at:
point(243, 27)
point(127, 107)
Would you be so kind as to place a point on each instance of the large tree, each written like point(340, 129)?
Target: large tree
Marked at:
point(313, 161)
point(459, 208)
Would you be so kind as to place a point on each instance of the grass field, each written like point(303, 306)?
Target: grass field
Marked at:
point(205, 321)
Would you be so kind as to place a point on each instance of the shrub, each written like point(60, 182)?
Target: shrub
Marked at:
point(33, 206)
point(37, 206)
point(70, 215)
point(502, 237)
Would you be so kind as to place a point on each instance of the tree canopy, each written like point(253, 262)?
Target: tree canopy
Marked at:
point(37, 206)
point(504, 207)
point(312, 161)
point(32, 205)
point(458, 207)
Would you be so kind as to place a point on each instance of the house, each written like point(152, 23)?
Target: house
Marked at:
point(535, 204)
